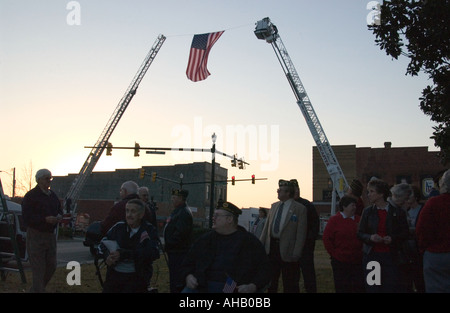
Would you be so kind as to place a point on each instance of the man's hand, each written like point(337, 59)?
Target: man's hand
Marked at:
point(376, 238)
point(112, 258)
point(250, 288)
point(51, 220)
point(191, 282)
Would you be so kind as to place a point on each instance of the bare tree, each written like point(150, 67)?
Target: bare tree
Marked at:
point(26, 181)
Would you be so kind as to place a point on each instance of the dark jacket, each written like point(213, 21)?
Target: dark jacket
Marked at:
point(396, 227)
point(142, 247)
point(313, 224)
point(178, 230)
point(36, 205)
point(116, 214)
point(250, 262)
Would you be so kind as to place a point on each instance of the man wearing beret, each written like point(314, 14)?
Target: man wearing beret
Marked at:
point(41, 210)
point(178, 237)
point(284, 236)
point(227, 259)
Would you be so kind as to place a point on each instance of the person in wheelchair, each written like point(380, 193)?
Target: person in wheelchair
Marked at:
point(129, 249)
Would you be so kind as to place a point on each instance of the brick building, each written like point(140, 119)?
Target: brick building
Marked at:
point(413, 165)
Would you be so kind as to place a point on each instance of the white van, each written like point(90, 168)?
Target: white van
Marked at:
point(20, 231)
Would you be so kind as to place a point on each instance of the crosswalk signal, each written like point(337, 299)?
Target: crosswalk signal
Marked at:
point(153, 176)
point(136, 149)
point(142, 173)
point(109, 147)
point(253, 179)
point(232, 180)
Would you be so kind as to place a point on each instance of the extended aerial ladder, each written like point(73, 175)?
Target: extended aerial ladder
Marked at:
point(102, 142)
point(267, 31)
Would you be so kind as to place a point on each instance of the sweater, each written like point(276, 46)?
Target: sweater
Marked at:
point(37, 205)
point(433, 225)
point(340, 240)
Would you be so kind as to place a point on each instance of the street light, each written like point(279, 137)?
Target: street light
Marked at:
point(213, 174)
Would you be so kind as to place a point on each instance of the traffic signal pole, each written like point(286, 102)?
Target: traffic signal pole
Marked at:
point(213, 174)
point(159, 150)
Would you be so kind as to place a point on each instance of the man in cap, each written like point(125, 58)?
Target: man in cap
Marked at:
point(41, 211)
point(283, 237)
point(312, 231)
point(129, 249)
point(226, 259)
point(178, 237)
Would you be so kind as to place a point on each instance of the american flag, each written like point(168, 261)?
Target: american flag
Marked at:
point(230, 285)
point(198, 56)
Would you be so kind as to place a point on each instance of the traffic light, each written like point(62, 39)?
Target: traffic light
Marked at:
point(109, 147)
point(141, 173)
point(241, 164)
point(233, 162)
point(136, 149)
point(232, 180)
point(153, 176)
point(253, 179)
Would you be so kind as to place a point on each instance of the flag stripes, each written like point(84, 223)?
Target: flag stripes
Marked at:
point(198, 57)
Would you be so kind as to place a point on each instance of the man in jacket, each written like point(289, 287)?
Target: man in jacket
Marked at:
point(129, 249)
point(283, 237)
point(178, 237)
point(41, 210)
point(226, 259)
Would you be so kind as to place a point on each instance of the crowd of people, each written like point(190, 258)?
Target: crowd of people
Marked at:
point(398, 244)
point(395, 243)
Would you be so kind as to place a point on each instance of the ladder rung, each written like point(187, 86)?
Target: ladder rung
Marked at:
point(5, 238)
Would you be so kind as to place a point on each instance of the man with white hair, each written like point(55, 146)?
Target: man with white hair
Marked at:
point(128, 191)
point(41, 211)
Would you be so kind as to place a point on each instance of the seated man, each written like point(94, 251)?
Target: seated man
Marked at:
point(227, 258)
point(129, 249)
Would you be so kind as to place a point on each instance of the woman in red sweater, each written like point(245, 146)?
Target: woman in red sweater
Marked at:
point(345, 249)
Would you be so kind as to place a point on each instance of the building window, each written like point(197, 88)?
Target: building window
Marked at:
point(207, 192)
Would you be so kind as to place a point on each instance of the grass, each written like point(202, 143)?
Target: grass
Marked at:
point(90, 282)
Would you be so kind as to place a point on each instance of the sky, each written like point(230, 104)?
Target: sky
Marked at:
point(65, 65)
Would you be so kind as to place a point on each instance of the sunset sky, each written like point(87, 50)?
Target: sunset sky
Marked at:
point(64, 71)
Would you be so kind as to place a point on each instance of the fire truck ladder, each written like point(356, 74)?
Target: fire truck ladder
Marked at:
point(269, 32)
point(93, 157)
point(9, 240)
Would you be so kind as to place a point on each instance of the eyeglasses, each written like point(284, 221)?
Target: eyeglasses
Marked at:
point(219, 215)
point(48, 178)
